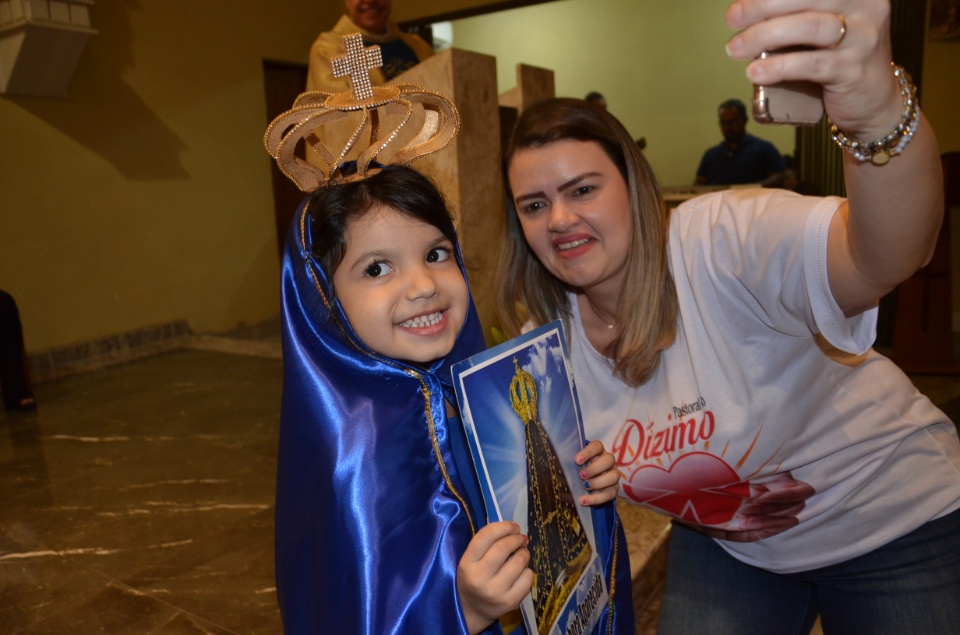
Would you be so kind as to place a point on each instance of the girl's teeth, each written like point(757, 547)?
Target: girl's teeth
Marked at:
point(572, 245)
point(423, 320)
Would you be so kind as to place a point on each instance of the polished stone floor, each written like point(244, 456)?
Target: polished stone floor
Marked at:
point(139, 498)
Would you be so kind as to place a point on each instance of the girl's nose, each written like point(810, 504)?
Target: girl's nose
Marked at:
point(422, 284)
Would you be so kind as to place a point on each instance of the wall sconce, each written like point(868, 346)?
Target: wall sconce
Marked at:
point(40, 44)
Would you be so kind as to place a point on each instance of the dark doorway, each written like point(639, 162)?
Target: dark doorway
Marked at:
point(283, 82)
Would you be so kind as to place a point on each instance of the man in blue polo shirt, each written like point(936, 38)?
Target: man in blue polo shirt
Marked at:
point(740, 158)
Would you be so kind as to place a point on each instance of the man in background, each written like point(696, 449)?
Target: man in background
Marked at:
point(14, 382)
point(740, 158)
point(371, 19)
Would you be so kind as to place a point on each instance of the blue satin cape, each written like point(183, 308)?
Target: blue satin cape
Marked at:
point(376, 495)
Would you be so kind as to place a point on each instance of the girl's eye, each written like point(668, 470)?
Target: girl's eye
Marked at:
point(377, 270)
point(438, 254)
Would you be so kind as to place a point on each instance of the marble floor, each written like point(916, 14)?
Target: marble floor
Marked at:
point(139, 497)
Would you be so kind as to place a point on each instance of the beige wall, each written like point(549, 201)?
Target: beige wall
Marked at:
point(145, 196)
point(663, 81)
point(661, 66)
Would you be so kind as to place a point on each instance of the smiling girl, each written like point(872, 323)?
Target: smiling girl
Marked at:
point(379, 525)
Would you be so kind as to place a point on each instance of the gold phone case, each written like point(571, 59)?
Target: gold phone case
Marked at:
point(794, 103)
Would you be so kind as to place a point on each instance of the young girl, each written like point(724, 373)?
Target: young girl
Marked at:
point(379, 513)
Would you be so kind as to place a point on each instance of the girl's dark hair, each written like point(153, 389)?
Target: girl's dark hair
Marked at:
point(334, 206)
point(648, 304)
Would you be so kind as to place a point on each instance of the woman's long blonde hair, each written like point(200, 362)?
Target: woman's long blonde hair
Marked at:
point(648, 302)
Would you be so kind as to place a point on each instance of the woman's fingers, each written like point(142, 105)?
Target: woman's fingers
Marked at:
point(812, 31)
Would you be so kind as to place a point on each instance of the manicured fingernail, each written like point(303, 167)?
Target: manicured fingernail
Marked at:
point(583, 500)
point(586, 484)
point(583, 474)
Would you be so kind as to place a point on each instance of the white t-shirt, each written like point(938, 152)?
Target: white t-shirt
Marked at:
point(749, 393)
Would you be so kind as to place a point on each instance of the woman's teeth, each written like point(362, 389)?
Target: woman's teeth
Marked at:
point(576, 243)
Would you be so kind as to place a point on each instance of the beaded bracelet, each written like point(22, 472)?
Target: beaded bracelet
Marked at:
point(879, 152)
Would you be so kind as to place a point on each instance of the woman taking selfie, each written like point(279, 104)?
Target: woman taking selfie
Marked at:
point(723, 352)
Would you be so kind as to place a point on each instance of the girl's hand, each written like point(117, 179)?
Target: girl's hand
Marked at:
point(599, 472)
point(492, 577)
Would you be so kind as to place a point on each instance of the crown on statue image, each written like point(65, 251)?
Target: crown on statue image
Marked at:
point(523, 394)
point(314, 109)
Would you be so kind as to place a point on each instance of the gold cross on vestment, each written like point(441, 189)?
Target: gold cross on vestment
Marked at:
point(357, 62)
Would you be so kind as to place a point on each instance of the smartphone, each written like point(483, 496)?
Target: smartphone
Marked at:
point(794, 103)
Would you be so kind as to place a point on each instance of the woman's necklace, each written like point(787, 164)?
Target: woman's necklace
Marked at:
point(610, 325)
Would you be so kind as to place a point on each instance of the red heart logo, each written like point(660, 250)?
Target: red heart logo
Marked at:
point(698, 488)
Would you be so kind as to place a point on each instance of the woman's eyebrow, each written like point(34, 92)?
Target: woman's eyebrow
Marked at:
point(575, 180)
point(523, 197)
point(566, 185)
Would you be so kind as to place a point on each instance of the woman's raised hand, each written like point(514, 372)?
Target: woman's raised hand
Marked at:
point(849, 54)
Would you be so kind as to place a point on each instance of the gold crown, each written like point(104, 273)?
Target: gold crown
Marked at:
point(523, 394)
point(313, 109)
